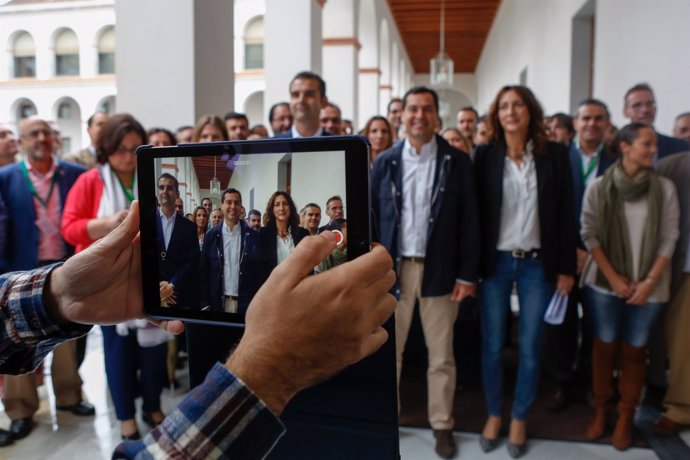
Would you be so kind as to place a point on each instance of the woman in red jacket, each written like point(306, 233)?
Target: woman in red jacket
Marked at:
point(95, 206)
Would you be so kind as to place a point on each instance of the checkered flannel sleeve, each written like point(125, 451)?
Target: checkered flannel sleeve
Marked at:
point(28, 334)
point(220, 418)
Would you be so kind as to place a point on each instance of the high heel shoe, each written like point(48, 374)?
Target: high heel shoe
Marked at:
point(487, 445)
point(148, 419)
point(131, 437)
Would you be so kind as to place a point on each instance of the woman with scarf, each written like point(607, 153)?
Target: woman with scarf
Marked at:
point(630, 227)
point(95, 206)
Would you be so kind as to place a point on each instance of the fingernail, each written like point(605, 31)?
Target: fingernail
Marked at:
point(329, 235)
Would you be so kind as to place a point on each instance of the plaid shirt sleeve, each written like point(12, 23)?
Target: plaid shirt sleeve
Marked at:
point(220, 418)
point(27, 333)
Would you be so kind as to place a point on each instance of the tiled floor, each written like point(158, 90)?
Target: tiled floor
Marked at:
point(63, 436)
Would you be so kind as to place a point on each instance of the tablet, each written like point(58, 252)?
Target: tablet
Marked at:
point(211, 276)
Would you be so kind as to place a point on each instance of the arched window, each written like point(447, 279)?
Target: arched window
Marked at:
point(66, 53)
point(24, 56)
point(106, 52)
point(254, 44)
point(26, 109)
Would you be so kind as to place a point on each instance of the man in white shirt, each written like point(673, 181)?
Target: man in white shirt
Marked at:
point(222, 256)
point(307, 98)
point(424, 201)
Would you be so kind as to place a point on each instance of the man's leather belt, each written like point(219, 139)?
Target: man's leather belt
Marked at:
point(418, 260)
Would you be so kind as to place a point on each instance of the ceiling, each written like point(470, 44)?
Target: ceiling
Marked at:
point(203, 166)
point(467, 25)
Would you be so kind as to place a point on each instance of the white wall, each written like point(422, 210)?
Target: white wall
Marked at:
point(643, 41)
point(635, 41)
point(532, 34)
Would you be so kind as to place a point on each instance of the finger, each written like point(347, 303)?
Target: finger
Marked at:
point(122, 236)
point(373, 342)
point(308, 253)
point(175, 327)
point(382, 311)
point(367, 268)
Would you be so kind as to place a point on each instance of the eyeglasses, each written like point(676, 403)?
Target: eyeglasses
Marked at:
point(121, 150)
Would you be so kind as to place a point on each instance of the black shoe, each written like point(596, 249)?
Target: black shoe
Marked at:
point(82, 409)
point(131, 437)
point(517, 450)
point(146, 417)
point(487, 444)
point(21, 428)
point(6, 438)
point(445, 443)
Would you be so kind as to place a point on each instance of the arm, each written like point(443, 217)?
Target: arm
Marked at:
point(568, 224)
point(469, 234)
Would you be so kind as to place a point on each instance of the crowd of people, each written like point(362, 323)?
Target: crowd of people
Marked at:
point(510, 202)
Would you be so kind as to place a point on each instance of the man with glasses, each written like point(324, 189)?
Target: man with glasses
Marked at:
point(640, 107)
point(34, 190)
point(8, 145)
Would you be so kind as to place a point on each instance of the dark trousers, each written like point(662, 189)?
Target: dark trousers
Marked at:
point(133, 370)
point(568, 347)
point(207, 345)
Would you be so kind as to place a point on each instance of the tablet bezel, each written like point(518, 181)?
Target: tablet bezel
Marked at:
point(356, 154)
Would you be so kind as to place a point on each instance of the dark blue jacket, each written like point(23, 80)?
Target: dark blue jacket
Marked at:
point(21, 242)
point(605, 161)
point(212, 268)
point(178, 263)
point(666, 146)
point(452, 248)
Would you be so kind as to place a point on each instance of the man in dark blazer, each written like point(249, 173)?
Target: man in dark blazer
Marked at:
point(589, 158)
point(34, 191)
point(215, 296)
point(640, 107)
point(307, 98)
point(178, 249)
point(424, 202)
point(677, 316)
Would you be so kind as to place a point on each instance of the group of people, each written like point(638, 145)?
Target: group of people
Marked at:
point(512, 199)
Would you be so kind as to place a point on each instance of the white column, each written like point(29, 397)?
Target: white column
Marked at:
point(195, 40)
point(368, 95)
point(292, 44)
point(340, 56)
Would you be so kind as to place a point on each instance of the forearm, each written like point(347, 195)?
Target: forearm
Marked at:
point(660, 264)
point(222, 415)
point(30, 329)
point(603, 263)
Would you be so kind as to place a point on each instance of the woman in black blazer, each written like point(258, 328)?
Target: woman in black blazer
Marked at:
point(527, 217)
point(278, 238)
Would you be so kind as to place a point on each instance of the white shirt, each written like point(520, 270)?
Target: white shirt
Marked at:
point(586, 160)
point(418, 180)
point(232, 246)
point(295, 133)
point(284, 246)
point(519, 227)
point(168, 224)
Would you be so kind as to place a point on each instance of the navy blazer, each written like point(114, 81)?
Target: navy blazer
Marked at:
point(666, 146)
point(557, 226)
point(452, 248)
point(178, 262)
point(605, 160)
point(21, 241)
point(213, 266)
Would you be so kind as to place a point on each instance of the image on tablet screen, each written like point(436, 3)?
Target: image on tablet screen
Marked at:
point(250, 212)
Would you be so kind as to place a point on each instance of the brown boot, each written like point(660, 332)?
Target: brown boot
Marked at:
point(633, 367)
point(603, 358)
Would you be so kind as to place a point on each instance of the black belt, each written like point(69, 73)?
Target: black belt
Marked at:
point(233, 297)
point(520, 254)
point(418, 260)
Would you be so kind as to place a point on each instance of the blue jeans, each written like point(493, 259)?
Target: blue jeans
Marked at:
point(534, 294)
point(617, 321)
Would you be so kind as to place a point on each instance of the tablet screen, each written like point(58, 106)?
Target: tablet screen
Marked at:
point(210, 265)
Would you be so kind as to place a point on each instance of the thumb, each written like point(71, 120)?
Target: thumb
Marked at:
point(122, 236)
point(308, 253)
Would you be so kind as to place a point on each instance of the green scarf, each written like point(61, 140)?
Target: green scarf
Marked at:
point(616, 188)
